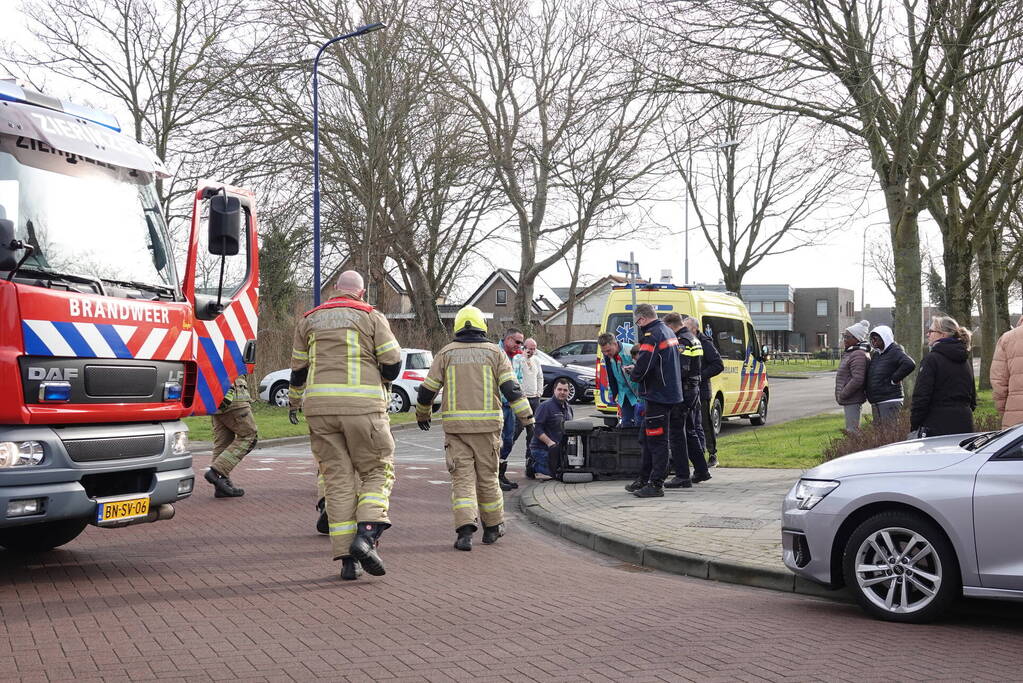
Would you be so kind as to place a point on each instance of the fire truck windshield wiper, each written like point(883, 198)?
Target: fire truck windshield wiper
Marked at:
point(159, 289)
point(53, 275)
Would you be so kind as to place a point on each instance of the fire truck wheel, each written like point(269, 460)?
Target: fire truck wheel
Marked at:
point(38, 538)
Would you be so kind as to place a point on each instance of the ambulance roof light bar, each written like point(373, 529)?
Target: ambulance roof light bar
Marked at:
point(12, 92)
point(659, 285)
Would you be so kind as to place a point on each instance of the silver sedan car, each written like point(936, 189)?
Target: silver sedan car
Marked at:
point(910, 527)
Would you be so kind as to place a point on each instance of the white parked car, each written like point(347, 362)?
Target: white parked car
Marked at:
point(415, 363)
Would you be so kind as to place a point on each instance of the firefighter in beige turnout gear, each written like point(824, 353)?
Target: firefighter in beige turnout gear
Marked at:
point(234, 437)
point(343, 354)
point(474, 373)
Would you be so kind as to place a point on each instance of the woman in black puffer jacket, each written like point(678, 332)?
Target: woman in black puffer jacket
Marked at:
point(945, 395)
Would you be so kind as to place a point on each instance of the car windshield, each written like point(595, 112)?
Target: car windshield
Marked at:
point(978, 441)
point(420, 360)
point(84, 218)
point(547, 360)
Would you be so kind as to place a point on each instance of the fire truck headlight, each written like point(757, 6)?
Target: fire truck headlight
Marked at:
point(179, 443)
point(20, 453)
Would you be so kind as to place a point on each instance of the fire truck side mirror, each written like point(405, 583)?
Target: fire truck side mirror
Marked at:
point(8, 259)
point(225, 225)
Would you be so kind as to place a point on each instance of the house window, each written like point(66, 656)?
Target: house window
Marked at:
point(849, 308)
point(822, 308)
point(822, 340)
point(753, 306)
point(502, 297)
point(768, 306)
point(781, 307)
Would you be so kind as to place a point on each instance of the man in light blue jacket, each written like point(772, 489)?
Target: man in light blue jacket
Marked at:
point(618, 362)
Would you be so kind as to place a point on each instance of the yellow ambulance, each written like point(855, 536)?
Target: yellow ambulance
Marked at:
point(741, 390)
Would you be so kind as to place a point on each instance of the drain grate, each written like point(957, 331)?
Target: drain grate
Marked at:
point(711, 522)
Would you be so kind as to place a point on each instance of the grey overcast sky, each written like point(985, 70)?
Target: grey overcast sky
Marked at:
point(838, 263)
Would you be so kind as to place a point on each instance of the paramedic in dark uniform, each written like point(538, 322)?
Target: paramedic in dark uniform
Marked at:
point(656, 370)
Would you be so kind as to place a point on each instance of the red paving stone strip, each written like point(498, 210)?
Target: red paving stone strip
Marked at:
point(244, 590)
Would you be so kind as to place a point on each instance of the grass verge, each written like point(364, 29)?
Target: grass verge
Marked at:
point(800, 443)
point(777, 368)
point(272, 423)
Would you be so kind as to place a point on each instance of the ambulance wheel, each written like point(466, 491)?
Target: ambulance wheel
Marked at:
point(399, 401)
point(761, 415)
point(38, 538)
point(716, 409)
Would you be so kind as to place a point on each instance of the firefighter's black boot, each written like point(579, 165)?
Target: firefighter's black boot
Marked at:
point(639, 483)
point(506, 484)
point(700, 477)
point(651, 490)
point(492, 533)
point(364, 547)
point(350, 569)
point(223, 486)
point(465, 532)
point(322, 525)
point(678, 482)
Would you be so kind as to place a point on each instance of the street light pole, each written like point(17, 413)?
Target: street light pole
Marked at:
point(360, 31)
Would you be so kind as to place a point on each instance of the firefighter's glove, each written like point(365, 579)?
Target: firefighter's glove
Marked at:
point(527, 422)
point(424, 424)
point(293, 416)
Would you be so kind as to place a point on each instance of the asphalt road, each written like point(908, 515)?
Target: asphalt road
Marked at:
point(245, 589)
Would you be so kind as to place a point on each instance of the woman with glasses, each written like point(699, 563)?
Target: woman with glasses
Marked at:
point(945, 395)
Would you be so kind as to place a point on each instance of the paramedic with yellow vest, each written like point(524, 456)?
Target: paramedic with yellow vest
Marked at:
point(343, 353)
point(474, 374)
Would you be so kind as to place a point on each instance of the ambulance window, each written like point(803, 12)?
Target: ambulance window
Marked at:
point(621, 326)
point(754, 344)
point(728, 336)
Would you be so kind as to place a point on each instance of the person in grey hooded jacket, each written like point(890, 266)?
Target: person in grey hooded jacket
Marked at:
point(889, 366)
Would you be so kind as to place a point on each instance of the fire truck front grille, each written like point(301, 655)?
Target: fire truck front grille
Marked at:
point(120, 380)
point(114, 448)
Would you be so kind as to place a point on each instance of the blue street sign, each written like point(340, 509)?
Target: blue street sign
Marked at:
point(628, 267)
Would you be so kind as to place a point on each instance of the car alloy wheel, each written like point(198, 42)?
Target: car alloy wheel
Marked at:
point(279, 395)
point(399, 401)
point(901, 567)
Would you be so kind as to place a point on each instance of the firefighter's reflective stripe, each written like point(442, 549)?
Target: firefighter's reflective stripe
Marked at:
point(462, 503)
point(364, 390)
point(670, 341)
point(387, 346)
point(488, 388)
point(378, 499)
point(342, 528)
point(431, 384)
point(507, 377)
point(645, 347)
point(521, 407)
point(312, 359)
point(493, 506)
point(473, 414)
point(354, 356)
point(299, 355)
point(450, 390)
point(294, 393)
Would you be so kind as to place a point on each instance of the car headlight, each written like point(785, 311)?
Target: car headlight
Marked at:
point(179, 443)
point(809, 492)
point(20, 453)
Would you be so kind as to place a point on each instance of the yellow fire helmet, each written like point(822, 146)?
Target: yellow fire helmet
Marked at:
point(470, 316)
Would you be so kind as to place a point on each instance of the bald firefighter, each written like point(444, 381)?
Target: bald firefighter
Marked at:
point(343, 353)
point(474, 374)
point(234, 437)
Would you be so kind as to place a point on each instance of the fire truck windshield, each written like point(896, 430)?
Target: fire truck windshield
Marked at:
point(84, 217)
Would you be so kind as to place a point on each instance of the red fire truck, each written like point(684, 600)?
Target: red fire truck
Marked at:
point(103, 349)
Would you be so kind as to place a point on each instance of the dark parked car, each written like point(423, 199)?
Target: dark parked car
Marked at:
point(581, 380)
point(577, 353)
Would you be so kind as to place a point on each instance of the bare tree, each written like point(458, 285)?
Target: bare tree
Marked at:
point(530, 74)
point(769, 183)
point(881, 74)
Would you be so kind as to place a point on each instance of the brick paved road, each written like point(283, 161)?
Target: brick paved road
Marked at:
point(245, 589)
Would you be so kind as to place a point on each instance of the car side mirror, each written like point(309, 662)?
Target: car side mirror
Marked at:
point(8, 259)
point(225, 225)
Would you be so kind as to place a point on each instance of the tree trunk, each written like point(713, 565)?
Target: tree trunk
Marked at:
point(988, 309)
point(733, 280)
point(1002, 283)
point(958, 259)
point(424, 303)
point(905, 235)
point(570, 303)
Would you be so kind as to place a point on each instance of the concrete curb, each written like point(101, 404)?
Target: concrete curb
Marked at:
point(669, 559)
point(206, 448)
